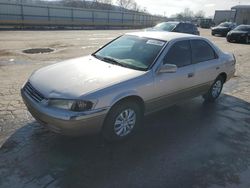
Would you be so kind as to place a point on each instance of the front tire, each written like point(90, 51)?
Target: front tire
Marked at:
point(247, 40)
point(215, 90)
point(122, 121)
point(228, 39)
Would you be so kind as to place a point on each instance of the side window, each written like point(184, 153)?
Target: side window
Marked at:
point(179, 54)
point(193, 28)
point(201, 51)
point(188, 28)
point(179, 28)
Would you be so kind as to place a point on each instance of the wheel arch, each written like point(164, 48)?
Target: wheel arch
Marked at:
point(134, 98)
point(224, 76)
point(106, 127)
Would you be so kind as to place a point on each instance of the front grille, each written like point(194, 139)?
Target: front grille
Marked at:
point(235, 35)
point(33, 93)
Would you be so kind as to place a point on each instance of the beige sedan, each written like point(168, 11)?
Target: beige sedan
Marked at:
point(136, 74)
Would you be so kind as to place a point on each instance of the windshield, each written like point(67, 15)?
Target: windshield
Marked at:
point(131, 51)
point(167, 26)
point(225, 24)
point(242, 28)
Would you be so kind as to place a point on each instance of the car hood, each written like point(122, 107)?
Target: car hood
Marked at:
point(155, 29)
point(149, 29)
point(76, 77)
point(238, 32)
point(152, 29)
point(220, 28)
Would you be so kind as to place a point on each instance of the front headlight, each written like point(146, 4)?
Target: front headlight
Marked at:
point(73, 105)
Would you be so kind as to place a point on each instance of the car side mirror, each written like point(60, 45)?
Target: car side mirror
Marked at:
point(167, 68)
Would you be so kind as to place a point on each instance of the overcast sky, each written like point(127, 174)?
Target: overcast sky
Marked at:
point(171, 7)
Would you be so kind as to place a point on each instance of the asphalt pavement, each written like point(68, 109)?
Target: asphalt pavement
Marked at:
point(189, 145)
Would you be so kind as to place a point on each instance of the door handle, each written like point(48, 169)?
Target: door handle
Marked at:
point(190, 75)
point(217, 68)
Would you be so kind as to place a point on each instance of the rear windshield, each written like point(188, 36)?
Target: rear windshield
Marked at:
point(166, 26)
point(225, 24)
point(242, 28)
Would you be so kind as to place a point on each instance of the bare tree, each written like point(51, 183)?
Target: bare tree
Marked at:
point(179, 16)
point(187, 13)
point(104, 4)
point(126, 4)
point(199, 14)
point(145, 10)
point(135, 7)
point(109, 2)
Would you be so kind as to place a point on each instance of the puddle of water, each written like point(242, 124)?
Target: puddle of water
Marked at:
point(38, 50)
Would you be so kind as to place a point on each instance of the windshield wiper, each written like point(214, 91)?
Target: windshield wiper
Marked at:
point(107, 59)
point(97, 56)
point(113, 61)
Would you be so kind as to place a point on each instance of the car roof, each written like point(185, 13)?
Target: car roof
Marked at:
point(244, 25)
point(162, 35)
point(227, 22)
point(177, 22)
point(171, 22)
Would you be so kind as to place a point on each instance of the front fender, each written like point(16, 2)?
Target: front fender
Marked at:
point(123, 95)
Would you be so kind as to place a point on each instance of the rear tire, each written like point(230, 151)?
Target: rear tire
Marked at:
point(215, 90)
point(122, 121)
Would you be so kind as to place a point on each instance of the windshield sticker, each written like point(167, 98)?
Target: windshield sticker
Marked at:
point(155, 42)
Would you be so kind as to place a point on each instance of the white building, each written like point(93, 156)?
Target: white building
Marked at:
point(223, 16)
point(242, 14)
point(239, 14)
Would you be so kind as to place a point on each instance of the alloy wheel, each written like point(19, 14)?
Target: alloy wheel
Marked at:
point(125, 122)
point(216, 89)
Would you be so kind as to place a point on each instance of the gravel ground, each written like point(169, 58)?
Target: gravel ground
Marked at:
point(194, 145)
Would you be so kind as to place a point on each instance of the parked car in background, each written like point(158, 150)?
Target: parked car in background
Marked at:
point(206, 23)
point(239, 34)
point(223, 28)
point(136, 74)
point(180, 27)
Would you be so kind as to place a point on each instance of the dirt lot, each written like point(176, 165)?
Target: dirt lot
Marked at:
point(195, 145)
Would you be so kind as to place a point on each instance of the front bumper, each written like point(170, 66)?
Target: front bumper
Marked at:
point(63, 121)
point(220, 32)
point(231, 74)
point(237, 38)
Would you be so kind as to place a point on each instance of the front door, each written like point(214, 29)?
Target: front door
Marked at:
point(171, 87)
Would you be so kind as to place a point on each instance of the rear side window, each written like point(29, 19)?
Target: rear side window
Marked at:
point(179, 54)
point(179, 28)
point(194, 27)
point(202, 51)
point(188, 28)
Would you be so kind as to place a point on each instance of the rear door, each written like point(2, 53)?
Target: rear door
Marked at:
point(207, 64)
